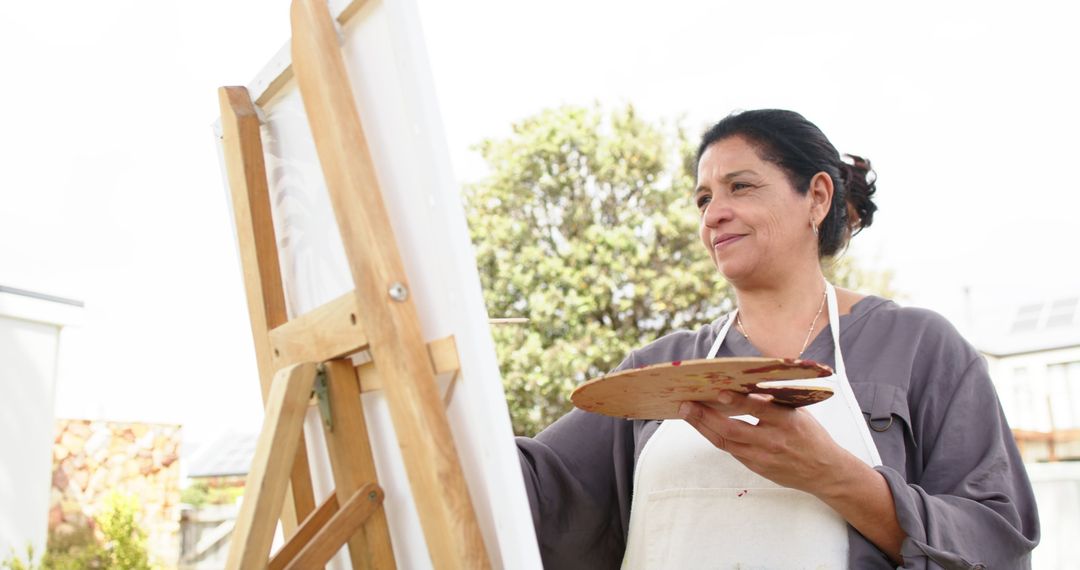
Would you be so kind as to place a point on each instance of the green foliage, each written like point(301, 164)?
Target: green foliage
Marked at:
point(197, 494)
point(73, 551)
point(845, 272)
point(78, 549)
point(586, 225)
point(201, 493)
point(125, 542)
point(14, 562)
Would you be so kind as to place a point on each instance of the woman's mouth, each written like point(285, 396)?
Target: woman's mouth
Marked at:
point(725, 240)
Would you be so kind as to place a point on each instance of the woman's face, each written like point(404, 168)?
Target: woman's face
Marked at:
point(753, 222)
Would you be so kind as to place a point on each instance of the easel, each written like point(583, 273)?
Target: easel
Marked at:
point(298, 356)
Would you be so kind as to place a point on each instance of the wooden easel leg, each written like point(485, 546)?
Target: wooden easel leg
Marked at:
point(266, 484)
point(353, 464)
point(242, 145)
point(389, 316)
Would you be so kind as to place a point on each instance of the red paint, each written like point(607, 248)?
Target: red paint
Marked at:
point(812, 363)
point(676, 363)
point(792, 396)
point(789, 365)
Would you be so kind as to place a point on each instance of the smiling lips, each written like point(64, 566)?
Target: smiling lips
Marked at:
point(724, 240)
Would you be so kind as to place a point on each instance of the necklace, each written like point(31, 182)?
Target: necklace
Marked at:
point(746, 333)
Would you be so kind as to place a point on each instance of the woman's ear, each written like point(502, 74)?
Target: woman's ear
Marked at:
point(820, 194)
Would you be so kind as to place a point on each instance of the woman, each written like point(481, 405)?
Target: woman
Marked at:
point(911, 463)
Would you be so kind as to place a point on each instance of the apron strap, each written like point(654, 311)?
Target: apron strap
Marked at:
point(834, 326)
point(723, 334)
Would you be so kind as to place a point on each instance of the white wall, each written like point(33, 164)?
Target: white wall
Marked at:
point(1034, 387)
point(1057, 492)
point(30, 339)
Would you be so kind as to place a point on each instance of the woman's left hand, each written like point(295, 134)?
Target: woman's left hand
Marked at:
point(787, 446)
point(790, 448)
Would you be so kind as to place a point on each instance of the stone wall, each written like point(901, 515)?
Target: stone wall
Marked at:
point(93, 458)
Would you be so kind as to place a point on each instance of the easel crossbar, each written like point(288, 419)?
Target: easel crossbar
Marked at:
point(316, 547)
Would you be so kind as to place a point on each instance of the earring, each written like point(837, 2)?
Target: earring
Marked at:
point(813, 226)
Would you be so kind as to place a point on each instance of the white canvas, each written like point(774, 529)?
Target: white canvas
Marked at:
point(385, 55)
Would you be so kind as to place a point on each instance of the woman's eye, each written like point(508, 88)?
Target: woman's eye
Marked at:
point(739, 186)
point(703, 200)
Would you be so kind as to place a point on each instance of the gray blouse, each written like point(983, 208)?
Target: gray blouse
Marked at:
point(961, 492)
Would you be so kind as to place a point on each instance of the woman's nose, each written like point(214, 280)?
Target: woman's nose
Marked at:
point(716, 212)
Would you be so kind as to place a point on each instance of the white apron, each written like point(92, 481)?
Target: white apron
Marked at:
point(696, 506)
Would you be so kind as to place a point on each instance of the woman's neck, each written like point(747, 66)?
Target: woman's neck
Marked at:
point(777, 318)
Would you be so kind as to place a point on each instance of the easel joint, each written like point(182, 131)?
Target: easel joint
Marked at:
point(322, 392)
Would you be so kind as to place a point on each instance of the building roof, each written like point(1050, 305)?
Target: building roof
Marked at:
point(41, 296)
point(1030, 326)
point(229, 455)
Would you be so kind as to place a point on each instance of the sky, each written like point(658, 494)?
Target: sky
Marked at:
point(112, 193)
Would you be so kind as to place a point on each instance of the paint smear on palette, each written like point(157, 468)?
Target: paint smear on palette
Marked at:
point(718, 377)
point(788, 364)
point(793, 396)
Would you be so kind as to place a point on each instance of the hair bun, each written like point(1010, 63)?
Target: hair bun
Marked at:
point(860, 183)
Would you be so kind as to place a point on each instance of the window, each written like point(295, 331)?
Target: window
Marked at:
point(1064, 396)
point(1062, 312)
point(1027, 318)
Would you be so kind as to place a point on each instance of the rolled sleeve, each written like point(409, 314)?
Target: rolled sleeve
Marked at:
point(973, 506)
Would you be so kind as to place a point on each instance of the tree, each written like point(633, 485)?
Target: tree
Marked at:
point(586, 226)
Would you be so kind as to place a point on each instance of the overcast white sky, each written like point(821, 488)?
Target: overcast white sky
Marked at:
point(111, 191)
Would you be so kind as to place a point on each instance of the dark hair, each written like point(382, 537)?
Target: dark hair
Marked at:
point(801, 150)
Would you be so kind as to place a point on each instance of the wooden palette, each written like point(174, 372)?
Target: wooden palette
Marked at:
point(655, 392)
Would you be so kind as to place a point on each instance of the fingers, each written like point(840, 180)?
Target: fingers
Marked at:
point(758, 405)
point(787, 446)
point(719, 429)
point(714, 438)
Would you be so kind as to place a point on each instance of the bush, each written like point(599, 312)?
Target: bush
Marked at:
point(123, 548)
point(13, 562)
point(220, 492)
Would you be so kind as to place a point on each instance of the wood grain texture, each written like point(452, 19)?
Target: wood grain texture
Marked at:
point(397, 348)
point(277, 84)
point(307, 530)
point(444, 359)
point(246, 170)
point(444, 355)
point(266, 483)
point(330, 331)
point(345, 523)
point(353, 465)
point(655, 392)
